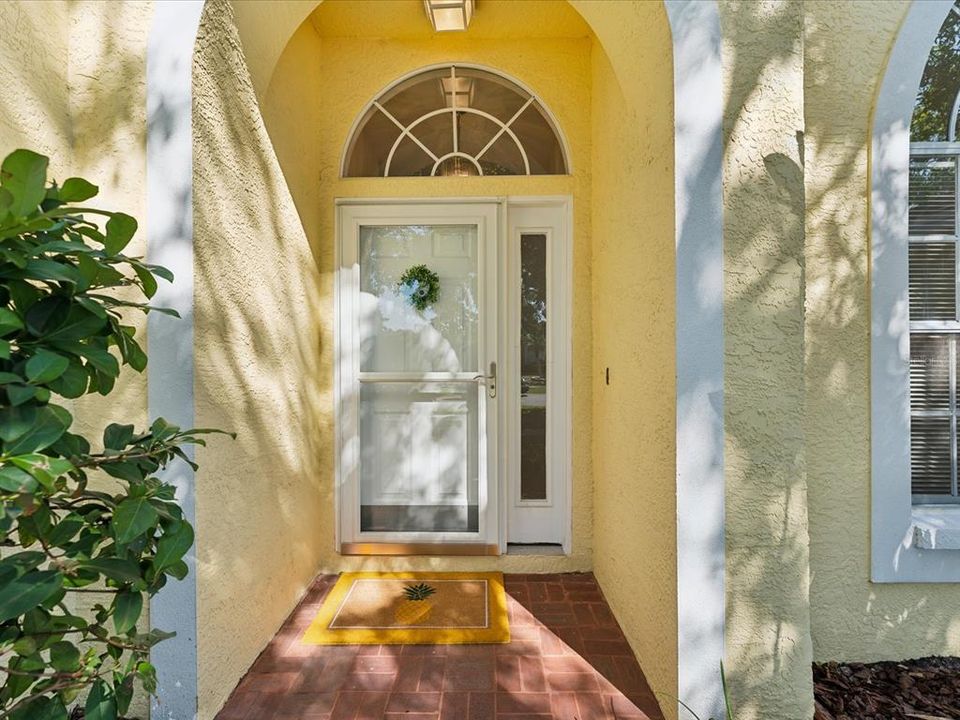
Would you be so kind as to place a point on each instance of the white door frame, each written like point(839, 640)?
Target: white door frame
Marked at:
point(495, 533)
point(547, 521)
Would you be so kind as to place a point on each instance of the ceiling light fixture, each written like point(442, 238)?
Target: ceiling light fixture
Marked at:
point(449, 15)
point(457, 91)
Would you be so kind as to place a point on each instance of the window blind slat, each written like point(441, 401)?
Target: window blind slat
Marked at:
point(929, 372)
point(933, 195)
point(933, 281)
point(930, 456)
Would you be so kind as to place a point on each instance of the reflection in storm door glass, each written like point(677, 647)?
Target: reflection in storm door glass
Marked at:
point(533, 367)
point(419, 457)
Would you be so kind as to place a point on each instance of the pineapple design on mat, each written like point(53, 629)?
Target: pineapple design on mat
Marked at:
point(416, 606)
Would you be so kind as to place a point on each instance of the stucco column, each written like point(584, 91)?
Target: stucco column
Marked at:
point(768, 617)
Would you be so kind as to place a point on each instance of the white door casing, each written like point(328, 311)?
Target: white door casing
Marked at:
point(405, 455)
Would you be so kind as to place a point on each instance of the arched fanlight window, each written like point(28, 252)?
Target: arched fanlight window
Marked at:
point(454, 120)
point(932, 261)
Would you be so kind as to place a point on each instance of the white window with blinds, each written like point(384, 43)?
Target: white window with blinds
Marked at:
point(932, 271)
point(934, 324)
point(914, 296)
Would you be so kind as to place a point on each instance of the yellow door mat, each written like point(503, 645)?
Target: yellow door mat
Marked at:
point(369, 608)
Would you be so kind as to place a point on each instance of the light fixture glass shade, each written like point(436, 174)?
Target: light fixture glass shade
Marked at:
point(457, 91)
point(449, 15)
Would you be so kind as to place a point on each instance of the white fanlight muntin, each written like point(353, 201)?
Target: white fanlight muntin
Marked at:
point(449, 15)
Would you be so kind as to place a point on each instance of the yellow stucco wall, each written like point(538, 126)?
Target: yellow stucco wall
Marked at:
point(259, 520)
point(767, 634)
point(633, 311)
point(847, 44)
point(332, 67)
point(73, 79)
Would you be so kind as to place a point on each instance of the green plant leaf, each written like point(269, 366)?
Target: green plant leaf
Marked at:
point(78, 325)
point(65, 530)
point(123, 571)
point(27, 591)
point(77, 190)
point(64, 656)
point(178, 570)
point(42, 708)
point(117, 437)
point(4, 350)
point(133, 517)
point(100, 705)
point(45, 366)
point(20, 393)
point(147, 279)
point(13, 479)
point(15, 421)
point(127, 607)
point(172, 546)
point(9, 321)
point(23, 174)
point(120, 230)
point(73, 382)
point(51, 423)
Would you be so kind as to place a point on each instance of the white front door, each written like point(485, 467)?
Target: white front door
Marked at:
point(417, 373)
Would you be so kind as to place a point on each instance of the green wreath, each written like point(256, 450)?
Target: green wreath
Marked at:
point(420, 285)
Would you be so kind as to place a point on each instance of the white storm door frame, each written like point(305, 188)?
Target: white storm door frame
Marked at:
point(485, 214)
point(539, 521)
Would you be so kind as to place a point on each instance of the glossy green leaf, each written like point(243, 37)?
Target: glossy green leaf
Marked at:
point(64, 656)
point(172, 546)
point(147, 279)
point(100, 705)
point(123, 571)
point(20, 393)
point(77, 190)
point(9, 321)
point(23, 174)
point(26, 592)
point(120, 230)
point(51, 423)
point(4, 350)
point(42, 708)
point(45, 366)
point(117, 437)
point(73, 382)
point(132, 518)
point(15, 421)
point(13, 479)
point(127, 607)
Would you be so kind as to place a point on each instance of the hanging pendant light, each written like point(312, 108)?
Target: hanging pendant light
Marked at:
point(449, 15)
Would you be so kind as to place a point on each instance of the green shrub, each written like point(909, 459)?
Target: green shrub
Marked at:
point(63, 335)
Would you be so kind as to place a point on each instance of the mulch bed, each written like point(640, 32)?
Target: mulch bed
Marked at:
point(924, 689)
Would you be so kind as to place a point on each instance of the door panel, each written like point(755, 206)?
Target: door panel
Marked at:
point(537, 407)
point(417, 423)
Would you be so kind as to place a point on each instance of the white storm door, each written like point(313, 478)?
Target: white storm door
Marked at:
point(418, 384)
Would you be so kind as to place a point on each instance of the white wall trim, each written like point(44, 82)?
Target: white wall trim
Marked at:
point(698, 123)
point(894, 557)
point(170, 341)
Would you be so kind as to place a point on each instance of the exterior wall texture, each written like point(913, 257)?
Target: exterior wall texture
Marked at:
point(847, 45)
point(768, 621)
point(633, 270)
point(259, 521)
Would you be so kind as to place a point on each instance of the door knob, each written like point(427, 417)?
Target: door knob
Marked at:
point(490, 380)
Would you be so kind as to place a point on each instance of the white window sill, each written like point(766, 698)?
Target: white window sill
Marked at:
point(935, 527)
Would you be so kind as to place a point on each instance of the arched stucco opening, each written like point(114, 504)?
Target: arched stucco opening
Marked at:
point(263, 359)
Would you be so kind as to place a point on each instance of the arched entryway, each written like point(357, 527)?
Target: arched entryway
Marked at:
point(270, 370)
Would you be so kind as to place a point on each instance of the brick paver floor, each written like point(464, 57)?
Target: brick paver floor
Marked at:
point(567, 660)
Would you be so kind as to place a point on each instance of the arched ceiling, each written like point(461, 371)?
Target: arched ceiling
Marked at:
point(266, 26)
